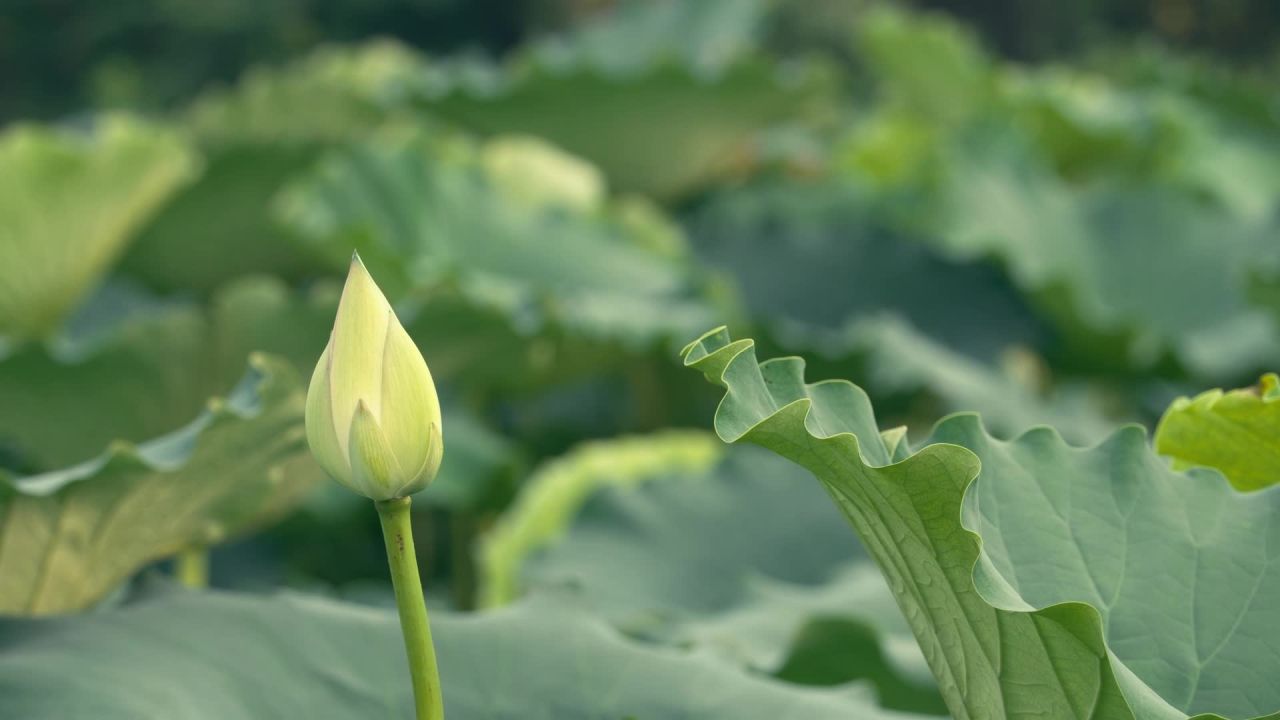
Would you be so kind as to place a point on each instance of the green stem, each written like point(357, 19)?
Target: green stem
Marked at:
point(398, 534)
point(192, 567)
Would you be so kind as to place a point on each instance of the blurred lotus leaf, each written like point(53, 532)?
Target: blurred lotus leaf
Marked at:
point(69, 537)
point(820, 254)
point(271, 125)
point(901, 362)
point(1235, 432)
point(248, 647)
point(130, 366)
point(694, 63)
point(529, 170)
point(343, 89)
point(434, 227)
point(1127, 276)
point(136, 376)
point(926, 62)
point(747, 592)
point(554, 493)
point(1129, 211)
point(825, 271)
point(69, 204)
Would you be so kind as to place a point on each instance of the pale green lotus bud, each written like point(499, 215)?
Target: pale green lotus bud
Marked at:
point(373, 418)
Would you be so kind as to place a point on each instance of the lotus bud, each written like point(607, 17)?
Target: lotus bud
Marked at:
point(373, 417)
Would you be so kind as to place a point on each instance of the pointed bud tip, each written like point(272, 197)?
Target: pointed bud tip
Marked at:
point(357, 269)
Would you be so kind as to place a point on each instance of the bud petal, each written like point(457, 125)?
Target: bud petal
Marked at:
point(355, 349)
point(373, 417)
point(375, 472)
point(408, 395)
point(321, 435)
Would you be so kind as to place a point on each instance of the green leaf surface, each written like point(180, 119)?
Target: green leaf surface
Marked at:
point(342, 88)
point(926, 62)
point(429, 217)
point(671, 560)
point(255, 138)
point(1128, 276)
point(219, 655)
point(819, 254)
point(901, 361)
point(556, 491)
point(220, 227)
point(1039, 579)
point(480, 464)
point(1092, 125)
point(1130, 211)
point(67, 538)
point(135, 377)
point(131, 366)
point(1235, 432)
point(69, 204)
point(825, 271)
point(670, 79)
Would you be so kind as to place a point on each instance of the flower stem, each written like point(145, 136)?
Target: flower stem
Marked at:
point(192, 567)
point(398, 534)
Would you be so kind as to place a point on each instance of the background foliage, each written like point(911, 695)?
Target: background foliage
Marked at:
point(1046, 213)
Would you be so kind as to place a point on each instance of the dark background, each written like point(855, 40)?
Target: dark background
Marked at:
point(58, 56)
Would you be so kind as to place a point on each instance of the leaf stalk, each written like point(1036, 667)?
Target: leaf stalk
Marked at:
point(192, 567)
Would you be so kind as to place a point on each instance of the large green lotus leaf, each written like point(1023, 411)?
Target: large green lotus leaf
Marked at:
point(1039, 578)
point(1236, 432)
point(69, 537)
point(255, 139)
point(429, 217)
point(220, 655)
point(648, 83)
point(1156, 271)
point(69, 203)
point(670, 559)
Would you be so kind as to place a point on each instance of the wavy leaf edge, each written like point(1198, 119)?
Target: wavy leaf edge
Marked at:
point(168, 452)
point(715, 352)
